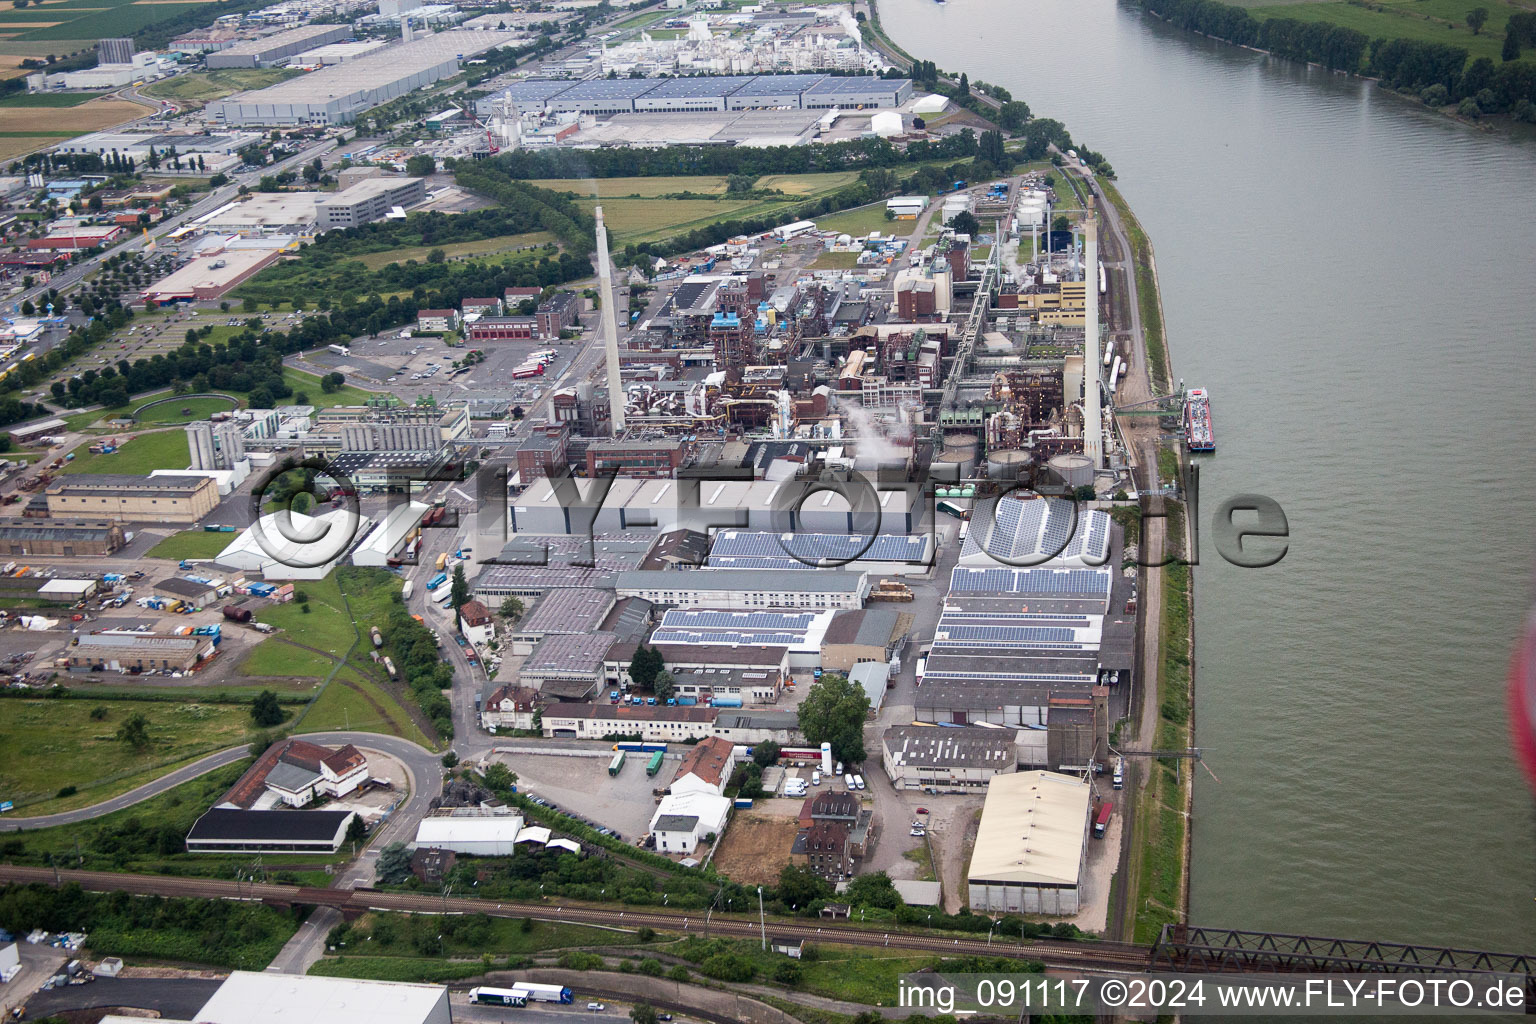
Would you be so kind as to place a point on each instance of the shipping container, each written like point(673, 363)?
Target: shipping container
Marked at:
point(498, 997)
point(654, 765)
point(617, 764)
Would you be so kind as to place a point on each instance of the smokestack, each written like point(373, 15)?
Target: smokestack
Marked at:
point(405, 28)
point(1093, 429)
point(610, 327)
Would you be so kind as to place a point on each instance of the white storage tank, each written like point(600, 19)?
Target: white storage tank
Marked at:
point(826, 759)
point(1075, 470)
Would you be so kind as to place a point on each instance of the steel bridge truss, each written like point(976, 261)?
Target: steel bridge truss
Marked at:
point(1183, 947)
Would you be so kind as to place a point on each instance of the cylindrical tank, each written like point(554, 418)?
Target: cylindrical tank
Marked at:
point(966, 460)
point(1075, 470)
point(826, 759)
point(1010, 464)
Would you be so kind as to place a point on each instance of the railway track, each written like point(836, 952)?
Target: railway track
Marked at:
point(1111, 956)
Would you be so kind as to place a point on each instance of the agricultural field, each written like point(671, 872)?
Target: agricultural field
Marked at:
point(483, 247)
point(73, 24)
point(25, 127)
point(166, 449)
point(1432, 21)
point(651, 220)
point(51, 744)
point(45, 99)
point(205, 86)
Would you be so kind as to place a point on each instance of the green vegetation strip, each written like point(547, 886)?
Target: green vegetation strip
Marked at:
point(1147, 296)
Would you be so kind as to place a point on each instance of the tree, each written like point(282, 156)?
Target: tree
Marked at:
point(833, 712)
point(965, 223)
point(644, 1013)
point(873, 890)
point(765, 753)
point(460, 590)
point(799, 887)
point(663, 685)
point(394, 864)
point(135, 731)
point(1013, 115)
point(499, 778)
point(437, 256)
point(644, 666)
point(357, 829)
point(990, 148)
point(1511, 49)
point(420, 166)
point(266, 711)
point(965, 84)
point(1477, 17)
point(450, 760)
point(512, 608)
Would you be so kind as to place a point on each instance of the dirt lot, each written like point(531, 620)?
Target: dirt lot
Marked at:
point(756, 847)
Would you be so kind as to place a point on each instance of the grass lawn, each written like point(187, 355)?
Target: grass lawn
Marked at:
point(861, 220)
point(397, 968)
point(327, 627)
point(479, 247)
point(166, 449)
point(651, 220)
point(183, 411)
point(858, 975)
point(351, 701)
point(275, 656)
point(836, 261)
point(309, 383)
point(212, 85)
point(919, 856)
point(129, 840)
point(191, 544)
point(396, 935)
point(50, 744)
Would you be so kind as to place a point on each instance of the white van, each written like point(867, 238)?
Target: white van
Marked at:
point(858, 782)
point(848, 781)
point(815, 778)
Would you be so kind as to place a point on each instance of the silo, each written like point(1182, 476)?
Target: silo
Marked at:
point(965, 460)
point(1074, 469)
point(1010, 464)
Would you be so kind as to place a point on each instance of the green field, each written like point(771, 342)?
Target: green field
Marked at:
point(299, 380)
point(1433, 21)
point(481, 247)
point(82, 21)
point(191, 544)
point(166, 449)
point(836, 261)
point(651, 220)
point(862, 220)
point(45, 99)
point(203, 86)
point(354, 702)
point(51, 744)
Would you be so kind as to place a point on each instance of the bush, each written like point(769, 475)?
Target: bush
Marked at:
point(66, 791)
point(651, 967)
point(680, 973)
point(729, 967)
point(1435, 95)
point(1469, 108)
point(788, 973)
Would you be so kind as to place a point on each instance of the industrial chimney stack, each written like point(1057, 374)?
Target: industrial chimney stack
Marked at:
point(610, 326)
point(1093, 419)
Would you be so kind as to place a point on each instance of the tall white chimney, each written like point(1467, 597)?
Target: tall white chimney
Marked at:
point(610, 327)
point(1093, 420)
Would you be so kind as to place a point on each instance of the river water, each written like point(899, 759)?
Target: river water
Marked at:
point(1351, 276)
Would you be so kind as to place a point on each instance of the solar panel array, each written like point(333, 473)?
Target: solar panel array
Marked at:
point(962, 618)
point(708, 618)
point(1013, 636)
point(813, 547)
point(683, 636)
point(1058, 582)
point(733, 562)
point(1039, 529)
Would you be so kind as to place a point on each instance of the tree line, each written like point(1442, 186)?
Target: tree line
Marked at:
point(1438, 73)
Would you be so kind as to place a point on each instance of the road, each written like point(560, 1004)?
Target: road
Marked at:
point(1067, 955)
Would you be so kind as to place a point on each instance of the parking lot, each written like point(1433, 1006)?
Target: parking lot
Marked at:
point(579, 784)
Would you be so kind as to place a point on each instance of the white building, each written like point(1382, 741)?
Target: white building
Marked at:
point(1032, 845)
point(389, 535)
point(949, 760)
point(1024, 530)
point(682, 819)
point(293, 546)
point(248, 997)
point(706, 768)
point(480, 834)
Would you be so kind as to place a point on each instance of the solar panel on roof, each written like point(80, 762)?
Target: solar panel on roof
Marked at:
point(1074, 582)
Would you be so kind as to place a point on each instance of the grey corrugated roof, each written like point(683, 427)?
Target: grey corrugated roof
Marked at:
point(740, 580)
point(677, 822)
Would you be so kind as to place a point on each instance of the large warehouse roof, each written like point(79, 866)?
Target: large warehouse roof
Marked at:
point(1030, 531)
point(291, 37)
point(437, 830)
point(251, 998)
point(1032, 831)
point(700, 87)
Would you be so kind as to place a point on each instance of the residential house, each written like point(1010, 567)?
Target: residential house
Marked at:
point(476, 624)
point(510, 707)
point(706, 768)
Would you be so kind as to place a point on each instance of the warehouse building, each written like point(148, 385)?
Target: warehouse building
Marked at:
point(470, 831)
point(771, 92)
point(948, 760)
point(264, 213)
point(1024, 529)
point(368, 201)
point(133, 499)
point(601, 96)
point(653, 724)
point(570, 610)
point(856, 91)
point(881, 555)
point(800, 633)
point(256, 53)
point(530, 97)
point(701, 94)
point(336, 94)
point(139, 652)
point(691, 95)
point(230, 830)
point(864, 635)
point(67, 537)
point(1032, 845)
point(212, 276)
point(567, 666)
point(248, 997)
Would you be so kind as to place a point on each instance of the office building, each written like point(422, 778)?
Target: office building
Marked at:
point(368, 201)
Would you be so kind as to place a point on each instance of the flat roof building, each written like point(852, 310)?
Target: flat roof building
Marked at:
point(1032, 845)
point(687, 95)
point(255, 53)
point(229, 830)
point(337, 94)
point(211, 277)
point(134, 499)
point(733, 589)
point(601, 96)
point(142, 652)
point(66, 537)
point(949, 760)
point(367, 201)
point(856, 91)
point(249, 997)
point(482, 835)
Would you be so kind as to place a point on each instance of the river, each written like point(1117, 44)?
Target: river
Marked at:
point(1350, 275)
